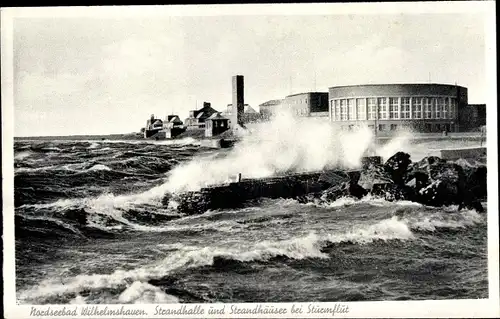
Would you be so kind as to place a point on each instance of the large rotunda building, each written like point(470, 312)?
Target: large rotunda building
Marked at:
point(389, 107)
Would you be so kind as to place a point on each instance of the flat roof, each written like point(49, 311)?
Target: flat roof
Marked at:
point(306, 93)
point(390, 84)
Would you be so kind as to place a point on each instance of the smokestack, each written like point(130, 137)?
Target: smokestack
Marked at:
point(238, 101)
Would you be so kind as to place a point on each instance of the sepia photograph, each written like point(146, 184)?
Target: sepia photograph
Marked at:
point(273, 160)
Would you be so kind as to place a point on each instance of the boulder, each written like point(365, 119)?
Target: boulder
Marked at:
point(392, 192)
point(397, 166)
point(343, 190)
point(476, 181)
point(374, 174)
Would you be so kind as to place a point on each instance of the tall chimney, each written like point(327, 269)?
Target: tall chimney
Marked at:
point(238, 101)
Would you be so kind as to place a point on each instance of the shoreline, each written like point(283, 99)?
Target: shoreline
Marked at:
point(424, 137)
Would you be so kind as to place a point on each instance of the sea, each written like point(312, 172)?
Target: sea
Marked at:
point(91, 228)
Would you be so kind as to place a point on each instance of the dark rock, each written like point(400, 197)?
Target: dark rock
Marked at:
point(368, 161)
point(343, 190)
point(476, 181)
point(374, 174)
point(392, 192)
point(396, 167)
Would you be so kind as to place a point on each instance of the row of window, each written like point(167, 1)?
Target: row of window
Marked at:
point(393, 108)
point(428, 127)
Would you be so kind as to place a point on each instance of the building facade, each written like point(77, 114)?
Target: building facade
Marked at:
point(197, 118)
point(389, 107)
point(249, 115)
point(472, 117)
point(306, 104)
point(268, 108)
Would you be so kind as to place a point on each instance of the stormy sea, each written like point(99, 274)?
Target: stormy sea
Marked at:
point(91, 228)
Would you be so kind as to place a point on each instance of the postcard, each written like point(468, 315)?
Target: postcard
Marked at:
point(250, 160)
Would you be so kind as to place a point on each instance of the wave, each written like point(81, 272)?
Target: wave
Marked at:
point(22, 155)
point(308, 246)
point(141, 293)
point(99, 167)
point(451, 221)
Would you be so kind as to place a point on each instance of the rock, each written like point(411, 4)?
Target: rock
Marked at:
point(374, 174)
point(392, 192)
point(476, 181)
point(397, 166)
point(343, 190)
point(335, 192)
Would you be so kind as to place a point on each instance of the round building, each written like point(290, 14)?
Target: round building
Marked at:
point(389, 107)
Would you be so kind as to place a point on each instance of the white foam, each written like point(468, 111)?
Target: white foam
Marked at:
point(387, 229)
point(22, 155)
point(99, 167)
point(140, 293)
point(449, 220)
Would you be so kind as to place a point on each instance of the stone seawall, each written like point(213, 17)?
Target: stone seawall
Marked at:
point(236, 194)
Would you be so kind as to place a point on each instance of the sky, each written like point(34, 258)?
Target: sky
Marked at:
point(97, 75)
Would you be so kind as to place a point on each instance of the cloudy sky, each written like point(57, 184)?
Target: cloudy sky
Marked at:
point(97, 75)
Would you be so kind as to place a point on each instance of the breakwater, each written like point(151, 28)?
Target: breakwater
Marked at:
point(432, 181)
point(235, 194)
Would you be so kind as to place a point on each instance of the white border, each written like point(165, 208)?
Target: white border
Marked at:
point(449, 308)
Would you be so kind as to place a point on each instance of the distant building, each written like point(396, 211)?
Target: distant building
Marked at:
point(216, 124)
point(153, 126)
point(472, 117)
point(306, 104)
point(197, 118)
point(389, 107)
point(249, 114)
point(267, 109)
point(172, 121)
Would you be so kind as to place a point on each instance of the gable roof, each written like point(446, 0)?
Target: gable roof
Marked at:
point(216, 116)
point(175, 119)
point(199, 115)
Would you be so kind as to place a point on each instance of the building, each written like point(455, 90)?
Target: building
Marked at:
point(309, 104)
point(472, 117)
point(249, 114)
point(268, 108)
point(172, 121)
point(197, 118)
point(153, 126)
point(389, 107)
point(216, 124)
point(306, 104)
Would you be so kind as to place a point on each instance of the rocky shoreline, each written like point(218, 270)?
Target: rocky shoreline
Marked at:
point(431, 181)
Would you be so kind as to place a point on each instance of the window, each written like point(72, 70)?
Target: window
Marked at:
point(394, 127)
point(428, 127)
point(372, 106)
point(337, 110)
point(372, 127)
point(428, 108)
point(382, 108)
point(352, 109)
point(343, 110)
point(417, 108)
point(405, 107)
point(453, 108)
point(439, 108)
point(446, 106)
point(381, 127)
point(394, 108)
point(361, 109)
